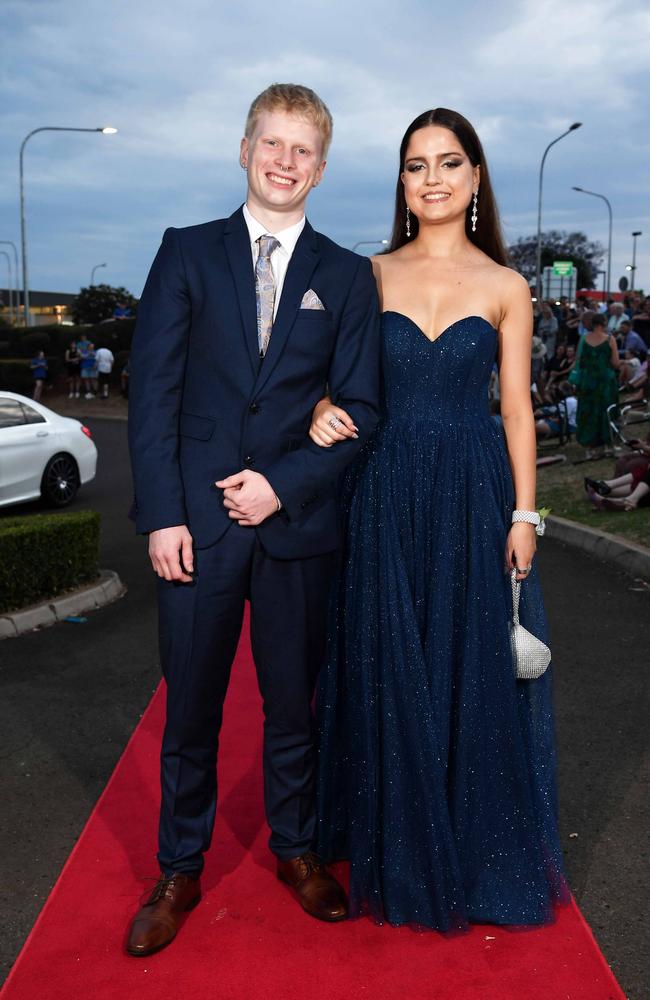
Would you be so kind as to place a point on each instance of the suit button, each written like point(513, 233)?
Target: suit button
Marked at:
point(254, 408)
point(249, 460)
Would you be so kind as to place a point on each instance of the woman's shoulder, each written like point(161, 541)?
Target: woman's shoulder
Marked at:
point(385, 261)
point(512, 291)
point(510, 280)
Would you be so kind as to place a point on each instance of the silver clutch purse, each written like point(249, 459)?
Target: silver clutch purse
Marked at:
point(530, 655)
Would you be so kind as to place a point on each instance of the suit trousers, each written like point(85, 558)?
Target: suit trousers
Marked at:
point(199, 628)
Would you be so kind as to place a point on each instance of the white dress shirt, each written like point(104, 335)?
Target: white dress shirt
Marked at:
point(281, 256)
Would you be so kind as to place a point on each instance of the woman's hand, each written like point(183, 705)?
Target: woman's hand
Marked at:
point(330, 424)
point(521, 546)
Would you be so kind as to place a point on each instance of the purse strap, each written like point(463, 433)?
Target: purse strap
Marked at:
point(516, 591)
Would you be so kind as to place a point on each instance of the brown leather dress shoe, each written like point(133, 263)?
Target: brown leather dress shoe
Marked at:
point(318, 892)
point(157, 921)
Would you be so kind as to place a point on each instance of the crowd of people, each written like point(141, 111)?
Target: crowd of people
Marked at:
point(588, 361)
point(89, 370)
point(585, 360)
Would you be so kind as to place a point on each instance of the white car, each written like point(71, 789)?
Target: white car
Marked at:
point(41, 453)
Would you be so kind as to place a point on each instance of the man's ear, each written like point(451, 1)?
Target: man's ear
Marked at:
point(319, 173)
point(243, 152)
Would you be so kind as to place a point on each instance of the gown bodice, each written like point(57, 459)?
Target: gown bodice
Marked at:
point(445, 379)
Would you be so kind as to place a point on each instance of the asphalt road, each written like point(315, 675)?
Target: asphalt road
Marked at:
point(71, 695)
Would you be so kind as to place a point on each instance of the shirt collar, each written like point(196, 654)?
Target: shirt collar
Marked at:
point(287, 238)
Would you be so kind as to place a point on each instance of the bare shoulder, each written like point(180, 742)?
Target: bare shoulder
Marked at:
point(510, 281)
point(382, 262)
point(385, 264)
point(514, 291)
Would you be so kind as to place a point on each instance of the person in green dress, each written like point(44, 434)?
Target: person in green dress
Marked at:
point(598, 387)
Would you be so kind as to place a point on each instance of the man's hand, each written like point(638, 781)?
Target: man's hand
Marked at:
point(170, 551)
point(248, 497)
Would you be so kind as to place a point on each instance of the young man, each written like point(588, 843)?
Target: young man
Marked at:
point(242, 324)
point(105, 361)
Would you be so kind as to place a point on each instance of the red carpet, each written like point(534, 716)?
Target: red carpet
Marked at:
point(248, 940)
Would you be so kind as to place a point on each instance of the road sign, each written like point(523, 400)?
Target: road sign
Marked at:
point(562, 268)
point(555, 285)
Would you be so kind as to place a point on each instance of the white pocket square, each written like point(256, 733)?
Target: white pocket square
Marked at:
point(311, 301)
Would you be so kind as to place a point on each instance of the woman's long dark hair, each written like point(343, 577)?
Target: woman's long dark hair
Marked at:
point(487, 237)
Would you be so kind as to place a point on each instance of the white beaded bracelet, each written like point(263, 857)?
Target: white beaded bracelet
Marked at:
point(529, 517)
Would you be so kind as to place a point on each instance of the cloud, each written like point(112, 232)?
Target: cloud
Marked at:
point(177, 81)
point(582, 51)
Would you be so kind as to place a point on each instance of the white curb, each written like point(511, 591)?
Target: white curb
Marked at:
point(103, 591)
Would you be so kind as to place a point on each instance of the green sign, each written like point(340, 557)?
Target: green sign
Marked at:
point(563, 268)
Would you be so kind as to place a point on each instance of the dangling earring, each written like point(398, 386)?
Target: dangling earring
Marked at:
point(408, 223)
point(475, 212)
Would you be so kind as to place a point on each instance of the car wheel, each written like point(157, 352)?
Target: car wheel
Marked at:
point(60, 481)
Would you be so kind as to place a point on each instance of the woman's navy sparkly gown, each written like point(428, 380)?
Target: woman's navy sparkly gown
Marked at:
point(437, 767)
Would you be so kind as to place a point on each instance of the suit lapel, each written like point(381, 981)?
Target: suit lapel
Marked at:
point(238, 250)
point(303, 262)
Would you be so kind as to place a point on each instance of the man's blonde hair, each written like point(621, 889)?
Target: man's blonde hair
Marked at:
point(297, 100)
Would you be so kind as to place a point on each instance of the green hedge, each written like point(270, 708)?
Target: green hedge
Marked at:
point(43, 555)
point(54, 339)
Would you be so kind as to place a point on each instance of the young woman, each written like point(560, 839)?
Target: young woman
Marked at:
point(38, 366)
point(72, 362)
point(437, 766)
point(597, 361)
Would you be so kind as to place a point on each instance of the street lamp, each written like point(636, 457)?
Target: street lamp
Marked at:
point(107, 130)
point(92, 273)
point(633, 269)
point(538, 267)
point(369, 243)
point(602, 197)
point(3, 253)
point(10, 243)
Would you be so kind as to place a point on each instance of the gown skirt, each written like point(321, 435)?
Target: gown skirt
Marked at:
point(436, 766)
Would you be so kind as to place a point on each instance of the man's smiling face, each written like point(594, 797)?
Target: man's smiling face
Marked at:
point(284, 159)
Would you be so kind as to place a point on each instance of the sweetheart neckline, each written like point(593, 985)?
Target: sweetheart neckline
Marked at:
point(462, 319)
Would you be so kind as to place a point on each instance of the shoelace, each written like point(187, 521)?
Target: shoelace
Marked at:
point(310, 863)
point(159, 891)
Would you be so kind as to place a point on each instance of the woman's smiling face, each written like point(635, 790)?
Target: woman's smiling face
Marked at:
point(439, 179)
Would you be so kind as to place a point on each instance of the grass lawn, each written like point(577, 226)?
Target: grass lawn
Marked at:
point(561, 488)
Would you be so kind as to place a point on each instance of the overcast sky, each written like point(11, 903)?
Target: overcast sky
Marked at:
point(176, 79)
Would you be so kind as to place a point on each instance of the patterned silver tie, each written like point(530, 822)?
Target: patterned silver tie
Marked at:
point(265, 291)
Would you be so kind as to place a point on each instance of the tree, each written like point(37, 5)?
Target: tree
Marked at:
point(98, 302)
point(586, 254)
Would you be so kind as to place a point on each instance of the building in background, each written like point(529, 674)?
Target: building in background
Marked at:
point(46, 307)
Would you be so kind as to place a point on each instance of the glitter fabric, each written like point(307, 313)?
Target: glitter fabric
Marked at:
point(437, 767)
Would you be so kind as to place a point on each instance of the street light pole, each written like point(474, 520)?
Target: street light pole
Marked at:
point(538, 265)
point(107, 130)
point(634, 238)
point(602, 197)
point(92, 273)
point(369, 243)
point(10, 243)
point(3, 253)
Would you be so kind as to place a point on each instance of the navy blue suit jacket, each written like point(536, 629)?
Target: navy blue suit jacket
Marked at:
point(204, 406)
